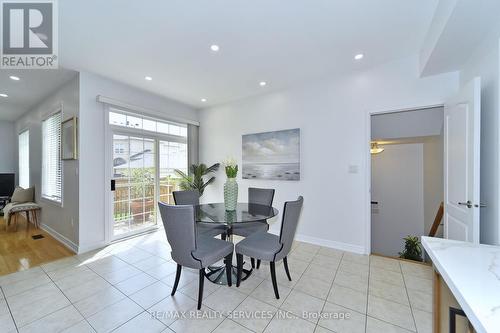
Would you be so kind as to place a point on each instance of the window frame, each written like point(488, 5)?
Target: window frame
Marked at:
point(49, 199)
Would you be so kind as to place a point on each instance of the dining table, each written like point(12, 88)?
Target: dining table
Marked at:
point(216, 214)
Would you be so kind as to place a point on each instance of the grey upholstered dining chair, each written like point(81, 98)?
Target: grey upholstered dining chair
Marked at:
point(190, 197)
point(261, 196)
point(192, 250)
point(269, 247)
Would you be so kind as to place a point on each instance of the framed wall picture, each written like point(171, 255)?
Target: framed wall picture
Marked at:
point(272, 155)
point(69, 144)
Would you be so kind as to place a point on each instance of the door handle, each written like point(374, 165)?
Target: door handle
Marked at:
point(468, 204)
point(481, 205)
point(112, 185)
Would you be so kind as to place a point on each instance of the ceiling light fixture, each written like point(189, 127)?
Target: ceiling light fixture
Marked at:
point(15, 78)
point(214, 47)
point(4, 95)
point(359, 56)
point(262, 83)
point(375, 149)
point(148, 78)
point(203, 100)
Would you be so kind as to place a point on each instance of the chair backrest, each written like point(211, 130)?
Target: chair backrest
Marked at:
point(291, 214)
point(189, 197)
point(261, 196)
point(179, 223)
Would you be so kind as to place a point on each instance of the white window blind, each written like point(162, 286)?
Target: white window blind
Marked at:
point(24, 159)
point(51, 158)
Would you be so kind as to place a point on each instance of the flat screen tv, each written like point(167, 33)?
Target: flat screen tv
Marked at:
point(7, 183)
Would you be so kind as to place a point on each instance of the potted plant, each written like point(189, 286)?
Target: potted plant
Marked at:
point(231, 186)
point(195, 180)
point(412, 249)
point(142, 204)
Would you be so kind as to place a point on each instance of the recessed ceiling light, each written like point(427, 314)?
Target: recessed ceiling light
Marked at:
point(359, 56)
point(203, 100)
point(4, 95)
point(214, 47)
point(262, 83)
point(15, 78)
point(148, 78)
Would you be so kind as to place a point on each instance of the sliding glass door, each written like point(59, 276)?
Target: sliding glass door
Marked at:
point(145, 153)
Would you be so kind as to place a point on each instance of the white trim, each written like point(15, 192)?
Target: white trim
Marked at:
point(368, 169)
point(92, 246)
point(62, 239)
point(145, 111)
point(331, 244)
point(359, 249)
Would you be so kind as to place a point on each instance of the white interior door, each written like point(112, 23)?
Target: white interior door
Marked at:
point(462, 127)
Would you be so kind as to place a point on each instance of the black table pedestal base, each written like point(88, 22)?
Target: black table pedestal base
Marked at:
point(217, 275)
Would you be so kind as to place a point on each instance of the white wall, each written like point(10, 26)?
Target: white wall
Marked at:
point(433, 180)
point(92, 151)
point(333, 118)
point(62, 222)
point(486, 64)
point(8, 147)
point(398, 187)
point(408, 124)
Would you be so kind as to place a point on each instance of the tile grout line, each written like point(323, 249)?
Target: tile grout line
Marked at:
point(367, 293)
point(408, 295)
point(411, 310)
point(330, 290)
point(71, 303)
point(8, 307)
point(126, 296)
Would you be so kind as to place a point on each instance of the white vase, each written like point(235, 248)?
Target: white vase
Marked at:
point(230, 194)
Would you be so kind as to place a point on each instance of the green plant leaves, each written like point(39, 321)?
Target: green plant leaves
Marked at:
point(195, 181)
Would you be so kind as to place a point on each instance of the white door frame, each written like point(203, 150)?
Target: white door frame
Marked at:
point(109, 130)
point(368, 164)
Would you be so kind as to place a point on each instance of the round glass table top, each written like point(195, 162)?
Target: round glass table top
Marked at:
point(244, 212)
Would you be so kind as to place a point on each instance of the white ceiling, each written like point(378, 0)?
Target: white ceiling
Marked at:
point(284, 42)
point(34, 85)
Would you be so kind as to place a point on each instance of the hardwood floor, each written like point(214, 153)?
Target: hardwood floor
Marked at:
point(19, 251)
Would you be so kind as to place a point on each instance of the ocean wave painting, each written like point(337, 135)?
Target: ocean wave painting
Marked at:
point(272, 155)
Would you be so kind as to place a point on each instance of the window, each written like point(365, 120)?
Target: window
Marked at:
point(51, 158)
point(24, 159)
point(117, 118)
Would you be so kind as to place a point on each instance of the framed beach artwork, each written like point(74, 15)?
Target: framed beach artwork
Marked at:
point(271, 155)
point(69, 139)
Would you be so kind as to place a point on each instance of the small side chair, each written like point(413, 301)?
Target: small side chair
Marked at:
point(261, 196)
point(269, 247)
point(192, 250)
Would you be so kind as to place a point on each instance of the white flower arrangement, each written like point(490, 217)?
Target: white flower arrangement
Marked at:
point(231, 166)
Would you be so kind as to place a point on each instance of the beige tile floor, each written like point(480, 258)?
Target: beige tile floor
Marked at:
point(119, 288)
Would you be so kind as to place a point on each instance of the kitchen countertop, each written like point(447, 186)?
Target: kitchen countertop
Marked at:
point(472, 272)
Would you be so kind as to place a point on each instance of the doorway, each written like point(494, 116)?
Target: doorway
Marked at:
point(144, 154)
point(406, 176)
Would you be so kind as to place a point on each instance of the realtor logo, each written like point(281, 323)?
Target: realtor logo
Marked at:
point(29, 34)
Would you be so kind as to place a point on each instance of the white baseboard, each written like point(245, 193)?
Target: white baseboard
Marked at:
point(328, 243)
point(331, 244)
point(91, 247)
point(65, 241)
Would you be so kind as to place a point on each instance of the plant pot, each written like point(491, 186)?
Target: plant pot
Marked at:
point(230, 194)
